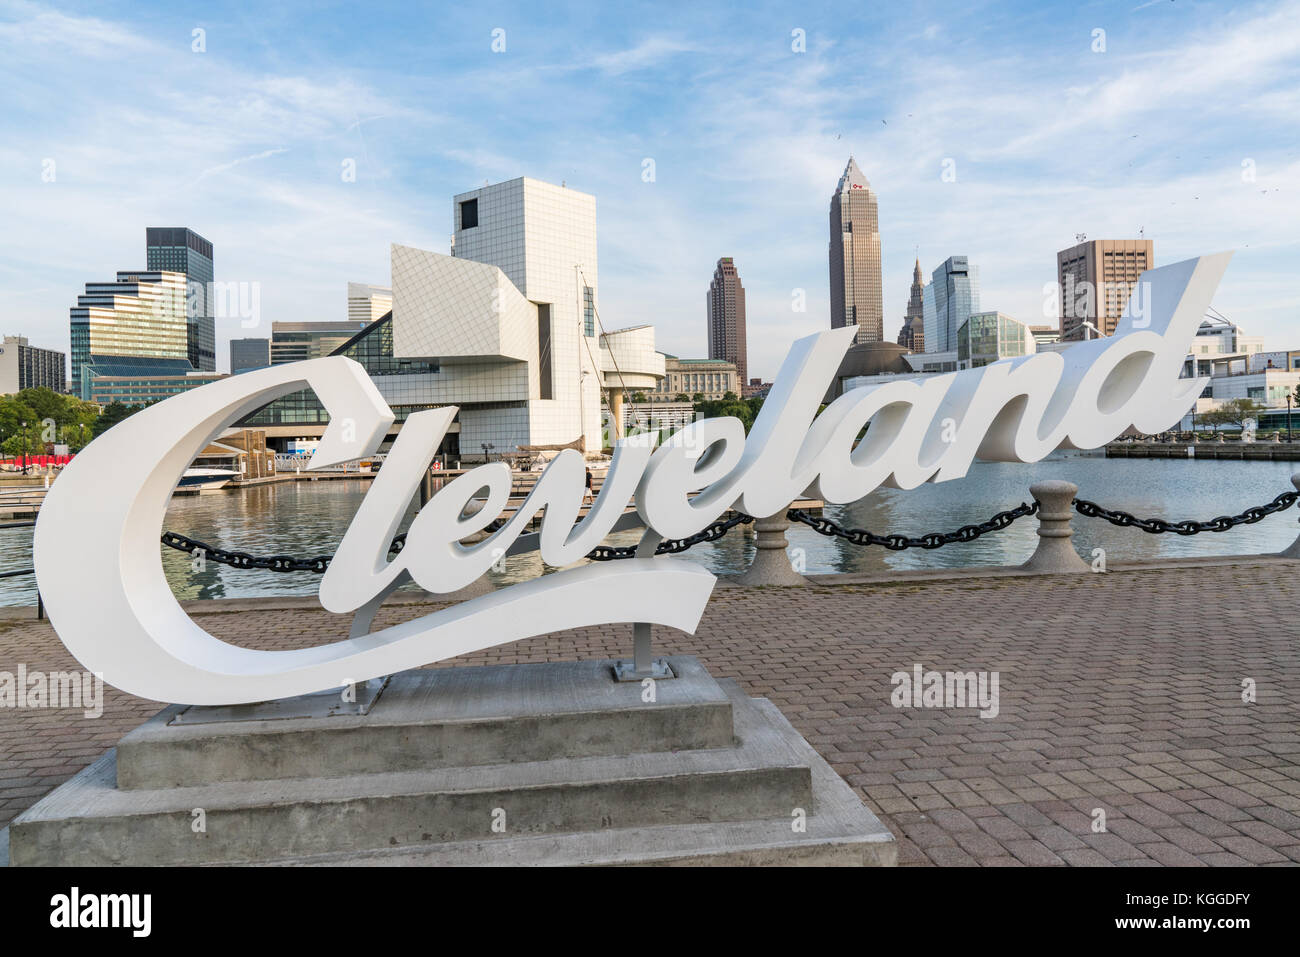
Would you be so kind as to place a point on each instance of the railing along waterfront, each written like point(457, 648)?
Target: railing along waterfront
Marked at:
point(1054, 543)
point(820, 524)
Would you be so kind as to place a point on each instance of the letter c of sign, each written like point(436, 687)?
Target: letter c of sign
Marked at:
point(99, 565)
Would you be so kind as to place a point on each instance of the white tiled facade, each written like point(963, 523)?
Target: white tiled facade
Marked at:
point(523, 251)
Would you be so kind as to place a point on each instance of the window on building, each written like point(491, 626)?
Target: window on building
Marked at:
point(469, 214)
point(588, 310)
point(544, 351)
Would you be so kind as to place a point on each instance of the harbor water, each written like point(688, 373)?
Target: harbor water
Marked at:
point(306, 519)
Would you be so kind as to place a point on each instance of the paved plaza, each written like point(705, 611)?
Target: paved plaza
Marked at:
point(1120, 695)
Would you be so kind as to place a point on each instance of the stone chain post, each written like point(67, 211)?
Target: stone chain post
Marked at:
point(1294, 550)
point(771, 565)
point(1055, 555)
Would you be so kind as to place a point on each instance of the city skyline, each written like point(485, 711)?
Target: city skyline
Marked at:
point(752, 150)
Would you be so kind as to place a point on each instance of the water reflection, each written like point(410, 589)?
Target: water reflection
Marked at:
point(309, 518)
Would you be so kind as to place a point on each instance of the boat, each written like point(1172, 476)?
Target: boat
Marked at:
point(204, 480)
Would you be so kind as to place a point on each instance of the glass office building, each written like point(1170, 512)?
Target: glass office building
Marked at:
point(138, 321)
point(248, 354)
point(296, 341)
point(951, 297)
point(404, 383)
point(182, 250)
point(988, 336)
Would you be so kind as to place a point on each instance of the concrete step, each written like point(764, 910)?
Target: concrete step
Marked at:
point(434, 718)
point(90, 821)
point(837, 830)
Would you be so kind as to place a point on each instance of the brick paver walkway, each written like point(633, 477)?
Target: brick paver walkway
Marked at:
point(1119, 692)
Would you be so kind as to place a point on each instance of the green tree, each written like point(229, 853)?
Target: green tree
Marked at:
point(113, 413)
point(1237, 411)
point(744, 409)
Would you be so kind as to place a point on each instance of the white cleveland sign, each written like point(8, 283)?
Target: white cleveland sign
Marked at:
point(100, 572)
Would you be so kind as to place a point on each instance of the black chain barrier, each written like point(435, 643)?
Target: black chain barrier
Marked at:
point(671, 546)
point(821, 525)
point(896, 543)
point(287, 563)
point(1156, 526)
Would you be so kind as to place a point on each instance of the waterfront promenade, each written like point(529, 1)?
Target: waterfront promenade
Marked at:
point(1120, 692)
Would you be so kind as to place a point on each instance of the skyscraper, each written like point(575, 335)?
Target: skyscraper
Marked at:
point(948, 301)
point(368, 303)
point(726, 314)
point(912, 335)
point(133, 326)
point(248, 354)
point(856, 298)
point(1096, 278)
point(182, 250)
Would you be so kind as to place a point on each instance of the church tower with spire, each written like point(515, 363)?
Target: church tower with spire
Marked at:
point(856, 298)
point(912, 335)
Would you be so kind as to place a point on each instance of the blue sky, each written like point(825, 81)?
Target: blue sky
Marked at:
point(1048, 137)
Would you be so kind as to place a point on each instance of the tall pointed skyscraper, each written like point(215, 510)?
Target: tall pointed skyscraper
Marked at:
point(912, 335)
point(856, 298)
point(726, 304)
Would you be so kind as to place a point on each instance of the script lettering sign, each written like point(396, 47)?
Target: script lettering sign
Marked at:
point(100, 572)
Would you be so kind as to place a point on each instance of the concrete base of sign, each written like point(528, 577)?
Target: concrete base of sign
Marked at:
point(525, 764)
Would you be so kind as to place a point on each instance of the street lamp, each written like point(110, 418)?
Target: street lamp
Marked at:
point(1288, 416)
point(24, 448)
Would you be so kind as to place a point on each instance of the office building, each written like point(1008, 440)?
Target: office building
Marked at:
point(1096, 279)
point(135, 325)
point(726, 316)
point(367, 303)
point(24, 366)
point(989, 336)
point(856, 297)
point(182, 250)
point(131, 389)
point(949, 299)
point(248, 354)
point(295, 341)
point(912, 336)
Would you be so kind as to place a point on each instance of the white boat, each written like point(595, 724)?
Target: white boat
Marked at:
point(205, 480)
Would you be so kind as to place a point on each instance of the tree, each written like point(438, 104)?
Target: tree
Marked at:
point(113, 413)
point(683, 397)
point(638, 397)
point(730, 396)
point(1233, 412)
point(744, 409)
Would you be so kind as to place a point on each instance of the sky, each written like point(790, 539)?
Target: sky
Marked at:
point(1162, 118)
